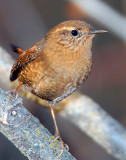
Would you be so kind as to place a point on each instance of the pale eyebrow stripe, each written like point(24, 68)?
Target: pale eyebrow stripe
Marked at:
point(66, 28)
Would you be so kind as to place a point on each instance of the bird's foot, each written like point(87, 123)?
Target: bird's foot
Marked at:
point(13, 94)
point(63, 145)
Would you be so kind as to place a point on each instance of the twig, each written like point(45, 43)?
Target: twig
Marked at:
point(26, 132)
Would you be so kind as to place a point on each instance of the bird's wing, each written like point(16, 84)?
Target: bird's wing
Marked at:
point(25, 58)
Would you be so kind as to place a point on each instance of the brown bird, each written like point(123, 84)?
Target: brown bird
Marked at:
point(57, 65)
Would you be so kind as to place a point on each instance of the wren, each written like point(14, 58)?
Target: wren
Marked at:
point(57, 65)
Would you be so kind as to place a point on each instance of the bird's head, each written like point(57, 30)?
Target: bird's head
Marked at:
point(73, 34)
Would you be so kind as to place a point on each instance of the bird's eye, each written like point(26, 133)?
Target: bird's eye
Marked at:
point(74, 32)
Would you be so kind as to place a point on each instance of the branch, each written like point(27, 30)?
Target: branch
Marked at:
point(96, 123)
point(26, 132)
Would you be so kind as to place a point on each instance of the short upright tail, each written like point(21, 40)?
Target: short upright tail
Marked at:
point(16, 49)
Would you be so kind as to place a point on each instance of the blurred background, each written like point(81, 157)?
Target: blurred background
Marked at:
point(24, 22)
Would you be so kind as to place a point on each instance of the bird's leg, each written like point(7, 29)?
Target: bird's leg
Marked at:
point(57, 133)
point(13, 92)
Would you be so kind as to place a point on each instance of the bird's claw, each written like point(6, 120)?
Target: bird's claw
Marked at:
point(13, 94)
point(63, 145)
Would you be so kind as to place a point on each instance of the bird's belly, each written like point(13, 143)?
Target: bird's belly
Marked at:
point(56, 88)
point(53, 85)
point(52, 89)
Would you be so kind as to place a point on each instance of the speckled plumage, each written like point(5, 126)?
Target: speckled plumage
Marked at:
point(55, 66)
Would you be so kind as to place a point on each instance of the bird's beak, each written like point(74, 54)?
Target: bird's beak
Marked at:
point(93, 31)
